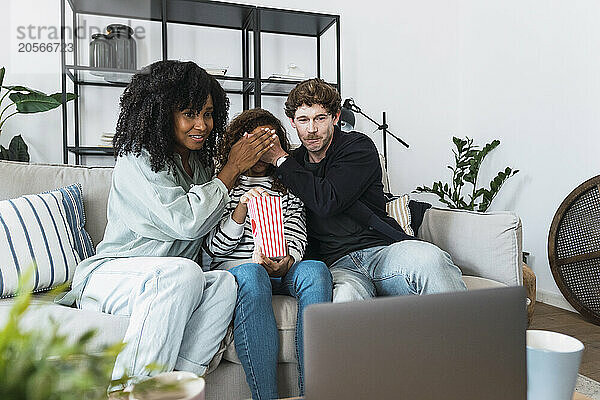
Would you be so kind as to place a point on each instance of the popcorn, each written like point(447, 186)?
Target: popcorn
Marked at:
point(266, 218)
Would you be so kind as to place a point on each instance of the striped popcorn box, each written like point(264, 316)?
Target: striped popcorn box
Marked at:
point(266, 218)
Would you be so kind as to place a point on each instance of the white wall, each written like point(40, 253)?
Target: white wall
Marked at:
point(524, 72)
point(529, 75)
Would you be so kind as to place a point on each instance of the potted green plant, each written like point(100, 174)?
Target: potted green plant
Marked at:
point(26, 101)
point(47, 365)
point(44, 364)
point(468, 159)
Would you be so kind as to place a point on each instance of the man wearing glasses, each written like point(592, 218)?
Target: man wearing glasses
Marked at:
point(338, 177)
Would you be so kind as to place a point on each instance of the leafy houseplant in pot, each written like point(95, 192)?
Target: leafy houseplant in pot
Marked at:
point(25, 101)
point(44, 364)
point(468, 159)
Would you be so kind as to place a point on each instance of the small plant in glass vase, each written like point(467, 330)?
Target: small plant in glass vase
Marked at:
point(468, 159)
point(25, 101)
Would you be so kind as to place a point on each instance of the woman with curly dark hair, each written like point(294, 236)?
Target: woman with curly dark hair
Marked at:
point(163, 200)
point(232, 248)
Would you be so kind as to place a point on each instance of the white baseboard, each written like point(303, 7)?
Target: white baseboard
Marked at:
point(554, 299)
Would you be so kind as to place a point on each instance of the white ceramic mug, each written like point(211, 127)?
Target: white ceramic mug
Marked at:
point(552, 365)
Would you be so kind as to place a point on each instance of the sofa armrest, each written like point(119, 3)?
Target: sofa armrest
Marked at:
point(487, 245)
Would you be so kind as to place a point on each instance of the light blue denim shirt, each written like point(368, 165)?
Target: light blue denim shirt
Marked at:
point(154, 214)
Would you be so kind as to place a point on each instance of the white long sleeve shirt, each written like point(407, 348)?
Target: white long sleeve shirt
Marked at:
point(230, 244)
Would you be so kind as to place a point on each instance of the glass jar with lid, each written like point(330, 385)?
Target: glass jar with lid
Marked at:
point(123, 43)
point(101, 52)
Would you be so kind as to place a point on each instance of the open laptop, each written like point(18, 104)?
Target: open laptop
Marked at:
point(456, 346)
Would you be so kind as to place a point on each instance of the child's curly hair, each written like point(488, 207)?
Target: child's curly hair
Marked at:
point(247, 121)
point(147, 107)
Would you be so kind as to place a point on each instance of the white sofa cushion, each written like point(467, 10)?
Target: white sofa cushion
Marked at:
point(487, 245)
point(17, 179)
point(72, 322)
point(285, 309)
point(476, 283)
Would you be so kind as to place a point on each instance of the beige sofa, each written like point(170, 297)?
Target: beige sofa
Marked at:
point(486, 246)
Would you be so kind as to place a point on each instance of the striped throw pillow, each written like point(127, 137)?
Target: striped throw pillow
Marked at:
point(398, 209)
point(73, 202)
point(43, 231)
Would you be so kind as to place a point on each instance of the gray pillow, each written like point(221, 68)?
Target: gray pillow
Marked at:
point(481, 244)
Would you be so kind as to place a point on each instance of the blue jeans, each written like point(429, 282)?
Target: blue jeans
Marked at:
point(255, 332)
point(407, 267)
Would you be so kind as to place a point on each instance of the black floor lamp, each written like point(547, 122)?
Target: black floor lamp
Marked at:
point(347, 124)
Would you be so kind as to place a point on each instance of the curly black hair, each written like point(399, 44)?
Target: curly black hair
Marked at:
point(149, 102)
point(247, 121)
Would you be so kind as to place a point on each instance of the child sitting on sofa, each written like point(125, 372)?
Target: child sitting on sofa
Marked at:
point(232, 247)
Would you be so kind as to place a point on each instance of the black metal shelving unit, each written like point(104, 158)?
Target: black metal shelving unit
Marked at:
point(244, 18)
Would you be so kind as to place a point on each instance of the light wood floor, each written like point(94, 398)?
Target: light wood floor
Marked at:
point(556, 319)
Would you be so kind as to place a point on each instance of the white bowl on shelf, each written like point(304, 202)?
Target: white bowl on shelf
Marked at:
point(215, 70)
